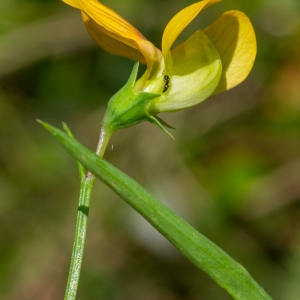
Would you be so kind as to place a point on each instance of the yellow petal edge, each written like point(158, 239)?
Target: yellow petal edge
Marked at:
point(114, 33)
point(233, 36)
point(180, 21)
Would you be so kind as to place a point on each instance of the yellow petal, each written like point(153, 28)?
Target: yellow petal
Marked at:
point(114, 33)
point(110, 44)
point(234, 38)
point(180, 21)
point(194, 76)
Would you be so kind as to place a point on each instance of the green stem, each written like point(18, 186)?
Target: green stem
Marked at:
point(86, 187)
point(80, 235)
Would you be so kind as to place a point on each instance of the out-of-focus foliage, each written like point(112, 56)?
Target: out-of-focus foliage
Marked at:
point(233, 170)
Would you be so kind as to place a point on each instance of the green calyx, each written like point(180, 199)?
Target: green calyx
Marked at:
point(128, 107)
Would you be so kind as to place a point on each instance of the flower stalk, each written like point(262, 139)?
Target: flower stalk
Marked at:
point(86, 187)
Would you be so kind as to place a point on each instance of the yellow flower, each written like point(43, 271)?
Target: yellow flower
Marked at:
point(208, 62)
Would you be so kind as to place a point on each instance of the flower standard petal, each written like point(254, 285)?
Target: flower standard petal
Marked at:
point(110, 44)
point(105, 25)
point(179, 22)
point(234, 38)
point(195, 73)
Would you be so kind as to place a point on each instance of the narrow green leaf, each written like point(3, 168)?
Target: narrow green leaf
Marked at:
point(81, 170)
point(207, 256)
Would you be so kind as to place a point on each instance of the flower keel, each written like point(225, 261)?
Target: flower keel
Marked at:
point(194, 75)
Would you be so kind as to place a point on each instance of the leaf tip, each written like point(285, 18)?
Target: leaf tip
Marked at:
point(47, 126)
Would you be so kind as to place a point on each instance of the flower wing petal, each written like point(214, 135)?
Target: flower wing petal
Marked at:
point(234, 38)
point(180, 21)
point(194, 76)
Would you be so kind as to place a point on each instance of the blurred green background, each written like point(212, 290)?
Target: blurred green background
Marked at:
point(233, 170)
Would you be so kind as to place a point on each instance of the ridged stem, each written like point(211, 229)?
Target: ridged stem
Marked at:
point(86, 187)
